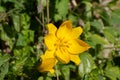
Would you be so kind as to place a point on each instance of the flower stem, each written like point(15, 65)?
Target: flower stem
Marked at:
point(47, 4)
point(56, 71)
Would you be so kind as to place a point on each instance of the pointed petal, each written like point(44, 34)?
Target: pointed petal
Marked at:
point(47, 65)
point(64, 30)
point(62, 56)
point(50, 40)
point(82, 43)
point(52, 71)
point(49, 54)
point(75, 59)
point(51, 28)
point(77, 46)
point(68, 23)
point(76, 32)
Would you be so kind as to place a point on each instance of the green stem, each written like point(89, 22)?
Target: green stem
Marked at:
point(56, 71)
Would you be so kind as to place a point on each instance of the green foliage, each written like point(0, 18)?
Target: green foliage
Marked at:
point(87, 64)
point(112, 73)
point(61, 11)
point(22, 28)
point(4, 65)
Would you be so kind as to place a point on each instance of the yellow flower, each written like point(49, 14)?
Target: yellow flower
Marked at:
point(63, 43)
point(47, 64)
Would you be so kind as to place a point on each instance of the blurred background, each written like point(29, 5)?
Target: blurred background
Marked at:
point(23, 26)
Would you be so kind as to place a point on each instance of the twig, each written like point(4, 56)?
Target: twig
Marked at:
point(47, 4)
point(39, 20)
point(44, 29)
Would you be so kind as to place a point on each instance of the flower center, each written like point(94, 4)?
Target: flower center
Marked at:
point(60, 43)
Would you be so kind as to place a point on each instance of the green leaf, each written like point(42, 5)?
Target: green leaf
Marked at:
point(25, 21)
point(109, 36)
point(5, 32)
point(87, 27)
point(62, 9)
point(2, 9)
point(115, 18)
point(112, 30)
point(88, 7)
point(97, 25)
point(41, 78)
point(48, 78)
point(73, 19)
point(4, 36)
point(18, 66)
point(4, 59)
point(21, 21)
point(4, 70)
point(25, 37)
point(4, 65)
point(112, 18)
point(22, 52)
point(97, 39)
point(87, 64)
point(66, 72)
point(57, 17)
point(16, 22)
point(112, 72)
point(21, 40)
point(94, 75)
point(28, 35)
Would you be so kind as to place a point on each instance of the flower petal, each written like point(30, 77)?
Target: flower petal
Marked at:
point(75, 59)
point(62, 56)
point(65, 30)
point(82, 43)
point(49, 54)
point(47, 64)
point(68, 23)
point(50, 40)
point(77, 46)
point(76, 32)
point(51, 28)
point(52, 71)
